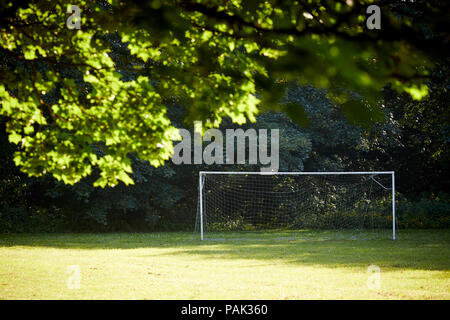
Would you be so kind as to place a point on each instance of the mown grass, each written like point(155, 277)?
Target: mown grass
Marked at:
point(273, 265)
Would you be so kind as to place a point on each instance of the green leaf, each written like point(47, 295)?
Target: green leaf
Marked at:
point(125, 178)
point(297, 113)
point(14, 137)
point(360, 113)
point(101, 182)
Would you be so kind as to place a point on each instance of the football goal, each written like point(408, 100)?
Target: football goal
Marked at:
point(339, 203)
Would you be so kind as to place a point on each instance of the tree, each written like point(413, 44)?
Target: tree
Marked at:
point(83, 99)
point(410, 141)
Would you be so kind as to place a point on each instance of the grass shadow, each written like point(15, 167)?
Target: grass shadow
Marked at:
point(415, 249)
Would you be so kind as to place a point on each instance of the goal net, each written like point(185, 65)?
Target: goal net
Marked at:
point(341, 204)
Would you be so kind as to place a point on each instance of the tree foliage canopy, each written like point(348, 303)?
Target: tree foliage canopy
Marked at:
point(76, 100)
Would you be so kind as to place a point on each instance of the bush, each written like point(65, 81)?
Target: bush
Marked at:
point(429, 211)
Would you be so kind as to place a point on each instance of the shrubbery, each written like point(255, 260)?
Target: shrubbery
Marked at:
point(426, 211)
point(165, 198)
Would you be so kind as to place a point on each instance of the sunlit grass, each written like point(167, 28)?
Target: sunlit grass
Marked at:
point(275, 265)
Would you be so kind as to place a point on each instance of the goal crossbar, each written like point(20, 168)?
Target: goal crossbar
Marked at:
point(296, 173)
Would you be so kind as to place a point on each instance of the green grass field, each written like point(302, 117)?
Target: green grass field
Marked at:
point(312, 265)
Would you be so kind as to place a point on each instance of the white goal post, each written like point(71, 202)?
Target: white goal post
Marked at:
point(251, 201)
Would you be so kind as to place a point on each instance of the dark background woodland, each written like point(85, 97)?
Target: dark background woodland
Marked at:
point(411, 141)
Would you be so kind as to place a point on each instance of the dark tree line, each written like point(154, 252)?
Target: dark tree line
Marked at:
point(94, 106)
point(411, 142)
